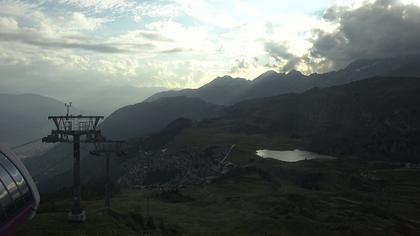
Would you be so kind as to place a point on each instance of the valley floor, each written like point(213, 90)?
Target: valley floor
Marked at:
point(262, 197)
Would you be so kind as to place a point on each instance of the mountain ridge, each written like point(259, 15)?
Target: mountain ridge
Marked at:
point(145, 118)
point(25, 116)
point(272, 83)
point(376, 117)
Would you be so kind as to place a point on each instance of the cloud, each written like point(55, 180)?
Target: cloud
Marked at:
point(58, 33)
point(375, 29)
point(347, 31)
point(18, 8)
point(243, 65)
point(284, 59)
point(278, 51)
point(61, 43)
point(78, 20)
point(278, 41)
point(175, 50)
point(156, 9)
point(209, 12)
point(8, 24)
point(185, 43)
point(153, 36)
point(100, 5)
point(166, 37)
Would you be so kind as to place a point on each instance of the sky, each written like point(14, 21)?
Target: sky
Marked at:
point(57, 46)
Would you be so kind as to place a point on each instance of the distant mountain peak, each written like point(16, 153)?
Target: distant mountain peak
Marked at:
point(226, 77)
point(225, 80)
point(227, 90)
point(266, 75)
point(178, 99)
point(294, 74)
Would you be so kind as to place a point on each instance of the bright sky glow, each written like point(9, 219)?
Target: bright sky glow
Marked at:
point(175, 44)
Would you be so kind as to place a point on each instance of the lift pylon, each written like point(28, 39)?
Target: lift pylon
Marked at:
point(70, 129)
point(108, 147)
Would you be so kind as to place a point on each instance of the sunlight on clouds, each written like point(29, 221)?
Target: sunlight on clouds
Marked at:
point(170, 74)
point(210, 14)
point(352, 4)
point(117, 66)
point(247, 8)
point(151, 9)
point(188, 37)
point(180, 43)
point(248, 41)
point(416, 2)
point(15, 8)
point(165, 37)
point(169, 40)
point(8, 24)
point(78, 20)
point(101, 5)
point(10, 57)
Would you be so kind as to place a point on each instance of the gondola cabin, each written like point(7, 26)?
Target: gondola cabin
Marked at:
point(19, 196)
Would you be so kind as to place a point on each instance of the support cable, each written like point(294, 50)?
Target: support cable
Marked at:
point(25, 144)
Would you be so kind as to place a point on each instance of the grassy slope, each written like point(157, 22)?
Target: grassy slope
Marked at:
point(347, 196)
point(344, 197)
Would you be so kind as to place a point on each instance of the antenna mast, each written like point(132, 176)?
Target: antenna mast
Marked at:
point(68, 107)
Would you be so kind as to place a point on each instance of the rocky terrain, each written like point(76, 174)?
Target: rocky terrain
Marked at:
point(175, 170)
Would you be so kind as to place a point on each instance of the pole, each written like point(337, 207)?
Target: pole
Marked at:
point(76, 210)
point(107, 184)
point(147, 206)
point(77, 214)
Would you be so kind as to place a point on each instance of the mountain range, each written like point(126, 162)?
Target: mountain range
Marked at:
point(25, 117)
point(227, 90)
point(143, 119)
point(30, 111)
point(373, 118)
point(159, 110)
point(104, 101)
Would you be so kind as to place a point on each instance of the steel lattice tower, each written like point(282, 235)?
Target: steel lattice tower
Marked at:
point(70, 129)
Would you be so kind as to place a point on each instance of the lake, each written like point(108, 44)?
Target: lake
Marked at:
point(292, 156)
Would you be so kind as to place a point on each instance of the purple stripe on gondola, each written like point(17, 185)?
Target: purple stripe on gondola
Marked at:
point(10, 227)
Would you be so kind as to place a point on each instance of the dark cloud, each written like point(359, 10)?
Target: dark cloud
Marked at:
point(381, 29)
point(284, 59)
point(278, 51)
point(155, 37)
point(64, 43)
point(176, 50)
point(101, 48)
point(132, 47)
point(240, 65)
point(244, 64)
